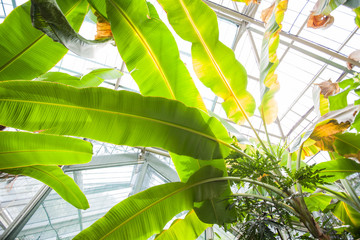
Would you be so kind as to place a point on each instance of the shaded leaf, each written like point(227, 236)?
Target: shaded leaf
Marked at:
point(146, 213)
point(269, 84)
point(213, 62)
point(150, 52)
point(347, 214)
point(92, 79)
point(347, 145)
point(339, 168)
point(120, 118)
point(99, 6)
point(55, 178)
point(184, 229)
point(48, 17)
point(21, 149)
point(25, 51)
point(352, 4)
point(222, 212)
point(317, 202)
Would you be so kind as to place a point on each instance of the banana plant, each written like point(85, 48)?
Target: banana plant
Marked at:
point(165, 116)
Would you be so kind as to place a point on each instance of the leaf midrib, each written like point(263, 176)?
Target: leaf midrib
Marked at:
point(184, 188)
point(217, 67)
point(61, 183)
point(13, 59)
point(122, 114)
point(147, 47)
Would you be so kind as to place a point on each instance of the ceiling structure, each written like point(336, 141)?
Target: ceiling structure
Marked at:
point(307, 56)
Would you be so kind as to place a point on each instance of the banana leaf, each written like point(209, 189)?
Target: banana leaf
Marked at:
point(269, 84)
point(327, 6)
point(146, 213)
point(339, 100)
point(352, 4)
point(337, 169)
point(150, 52)
point(357, 18)
point(348, 215)
point(325, 127)
point(92, 79)
point(317, 202)
point(118, 117)
point(25, 51)
point(55, 178)
point(151, 55)
point(48, 18)
point(184, 229)
point(22, 149)
point(213, 62)
point(99, 6)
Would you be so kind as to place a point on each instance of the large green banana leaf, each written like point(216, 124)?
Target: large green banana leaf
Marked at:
point(146, 213)
point(55, 178)
point(150, 52)
point(48, 18)
point(92, 79)
point(347, 215)
point(21, 149)
point(118, 117)
point(25, 51)
point(214, 63)
point(338, 169)
point(269, 84)
point(184, 229)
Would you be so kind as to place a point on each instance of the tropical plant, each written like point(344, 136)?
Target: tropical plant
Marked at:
point(278, 192)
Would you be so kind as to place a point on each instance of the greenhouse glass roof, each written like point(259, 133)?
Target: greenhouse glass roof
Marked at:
point(308, 56)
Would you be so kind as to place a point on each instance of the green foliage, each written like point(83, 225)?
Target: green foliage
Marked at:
point(265, 168)
point(48, 18)
point(146, 213)
point(184, 229)
point(25, 51)
point(37, 156)
point(92, 79)
point(214, 63)
point(339, 101)
point(274, 198)
point(55, 178)
point(150, 52)
point(120, 118)
point(21, 149)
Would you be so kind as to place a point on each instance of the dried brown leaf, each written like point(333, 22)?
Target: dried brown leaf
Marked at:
point(320, 21)
point(328, 88)
point(329, 129)
point(103, 28)
point(266, 13)
point(353, 56)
